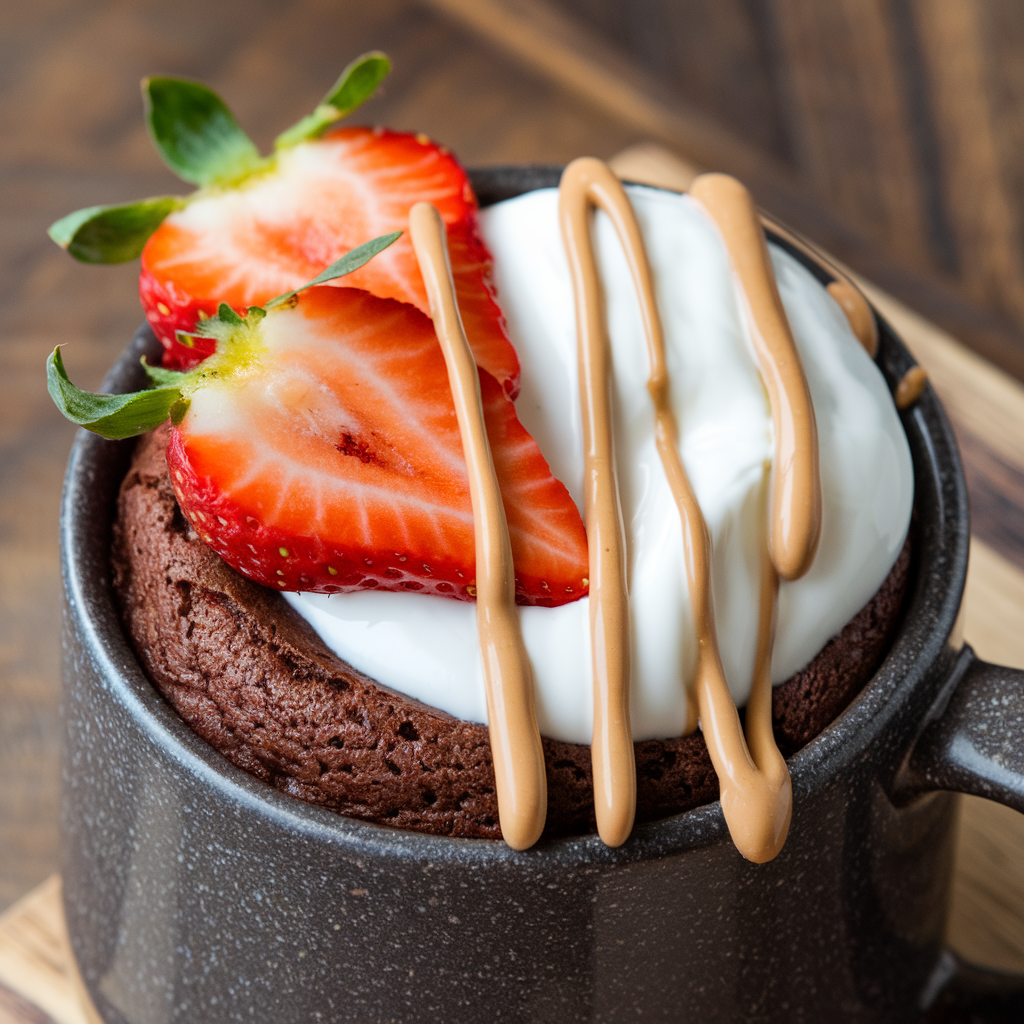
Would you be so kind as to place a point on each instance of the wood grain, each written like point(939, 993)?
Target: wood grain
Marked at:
point(985, 217)
point(35, 962)
point(565, 50)
point(986, 407)
point(847, 112)
point(714, 55)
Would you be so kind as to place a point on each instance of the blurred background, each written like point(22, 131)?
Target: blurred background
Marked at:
point(889, 131)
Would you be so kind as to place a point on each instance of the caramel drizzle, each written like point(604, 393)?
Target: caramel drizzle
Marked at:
point(910, 387)
point(516, 749)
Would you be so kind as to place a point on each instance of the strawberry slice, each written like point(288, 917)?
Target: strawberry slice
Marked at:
point(280, 227)
point(321, 452)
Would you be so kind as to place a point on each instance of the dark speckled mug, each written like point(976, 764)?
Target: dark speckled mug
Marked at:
point(195, 893)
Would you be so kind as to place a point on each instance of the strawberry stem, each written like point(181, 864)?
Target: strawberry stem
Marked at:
point(161, 376)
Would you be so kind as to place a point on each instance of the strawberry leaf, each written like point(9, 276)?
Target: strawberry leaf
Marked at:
point(229, 316)
point(352, 260)
point(356, 84)
point(112, 416)
point(112, 234)
point(196, 134)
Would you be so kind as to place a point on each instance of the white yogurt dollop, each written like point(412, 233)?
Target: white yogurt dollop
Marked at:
point(426, 647)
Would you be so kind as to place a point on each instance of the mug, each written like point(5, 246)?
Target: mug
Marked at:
point(195, 893)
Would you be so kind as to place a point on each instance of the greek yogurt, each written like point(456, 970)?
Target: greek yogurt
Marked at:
point(426, 647)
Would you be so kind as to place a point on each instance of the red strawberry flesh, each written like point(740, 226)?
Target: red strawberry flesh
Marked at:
point(282, 227)
point(334, 462)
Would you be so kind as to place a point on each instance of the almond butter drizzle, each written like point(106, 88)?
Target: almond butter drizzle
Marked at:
point(910, 387)
point(756, 791)
point(795, 482)
point(755, 787)
point(519, 773)
point(858, 313)
point(584, 182)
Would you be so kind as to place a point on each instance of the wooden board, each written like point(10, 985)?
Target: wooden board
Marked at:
point(38, 978)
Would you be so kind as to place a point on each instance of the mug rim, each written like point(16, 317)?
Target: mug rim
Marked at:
point(96, 467)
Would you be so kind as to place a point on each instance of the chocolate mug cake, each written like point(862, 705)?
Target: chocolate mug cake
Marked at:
point(233, 663)
point(370, 751)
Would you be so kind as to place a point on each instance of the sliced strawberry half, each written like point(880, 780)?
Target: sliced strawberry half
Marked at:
point(324, 454)
point(282, 226)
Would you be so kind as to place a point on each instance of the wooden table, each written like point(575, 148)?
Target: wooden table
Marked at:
point(72, 136)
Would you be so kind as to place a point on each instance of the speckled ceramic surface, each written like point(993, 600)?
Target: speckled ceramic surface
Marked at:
point(195, 893)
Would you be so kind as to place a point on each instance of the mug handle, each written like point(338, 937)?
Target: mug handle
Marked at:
point(973, 739)
point(972, 742)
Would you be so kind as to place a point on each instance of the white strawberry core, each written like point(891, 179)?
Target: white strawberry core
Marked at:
point(426, 647)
